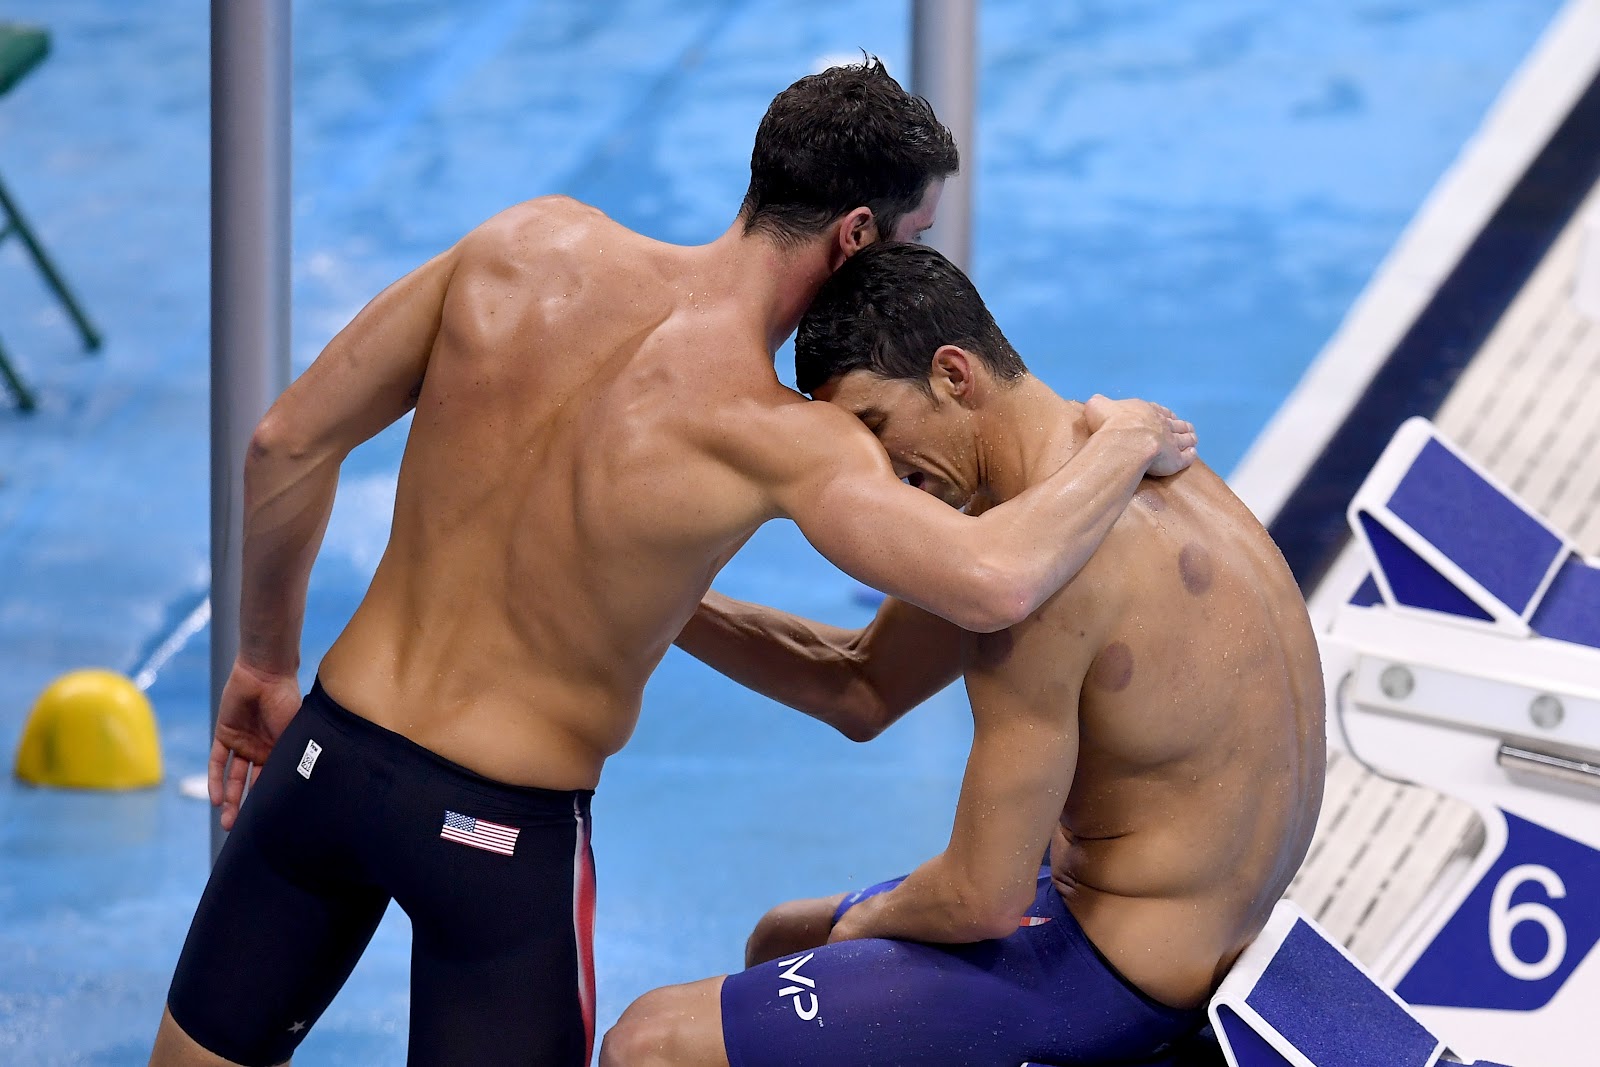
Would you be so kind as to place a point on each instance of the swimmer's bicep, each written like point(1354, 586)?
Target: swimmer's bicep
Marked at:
point(882, 532)
point(371, 373)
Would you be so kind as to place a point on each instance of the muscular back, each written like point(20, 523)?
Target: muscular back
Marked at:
point(542, 557)
point(1201, 744)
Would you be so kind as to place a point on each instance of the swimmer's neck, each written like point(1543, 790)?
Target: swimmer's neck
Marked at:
point(775, 282)
point(1026, 432)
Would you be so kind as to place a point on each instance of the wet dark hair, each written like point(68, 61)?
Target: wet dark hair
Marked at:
point(838, 140)
point(888, 309)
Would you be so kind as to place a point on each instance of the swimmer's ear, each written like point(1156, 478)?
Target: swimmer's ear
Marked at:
point(856, 231)
point(951, 374)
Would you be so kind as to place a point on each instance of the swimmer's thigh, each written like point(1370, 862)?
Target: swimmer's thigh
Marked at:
point(284, 916)
point(1043, 994)
point(502, 946)
point(874, 1003)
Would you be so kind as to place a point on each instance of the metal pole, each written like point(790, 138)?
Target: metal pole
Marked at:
point(944, 47)
point(249, 281)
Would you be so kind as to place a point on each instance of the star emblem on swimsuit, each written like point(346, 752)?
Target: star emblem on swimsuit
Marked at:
point(297, 1027)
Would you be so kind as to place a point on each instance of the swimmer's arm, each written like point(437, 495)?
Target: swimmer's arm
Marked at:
point(1024, 754)
point(368, 376)
point(983, 572)
point(860, 682)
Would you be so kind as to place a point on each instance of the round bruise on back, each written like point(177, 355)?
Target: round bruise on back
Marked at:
point(1195, 568)
point(1112, 669)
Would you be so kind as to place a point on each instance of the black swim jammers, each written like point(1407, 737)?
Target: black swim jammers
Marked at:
point(498, 882)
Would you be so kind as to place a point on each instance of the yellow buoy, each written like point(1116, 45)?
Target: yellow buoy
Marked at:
point(90, 729)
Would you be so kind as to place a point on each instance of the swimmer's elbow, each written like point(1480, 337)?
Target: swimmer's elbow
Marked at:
point(998, 925)
point(286, 443)
point(868, 717)
point(999, 596)
point(986, 920)
point(274, 441)
point(859, 732)
point(992, 910)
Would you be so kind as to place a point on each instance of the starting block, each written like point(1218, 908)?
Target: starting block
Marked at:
point(1295, 998)
point(1477, 613)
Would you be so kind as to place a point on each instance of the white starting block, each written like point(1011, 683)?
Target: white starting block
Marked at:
point(1295, 998)
point(1478, 613)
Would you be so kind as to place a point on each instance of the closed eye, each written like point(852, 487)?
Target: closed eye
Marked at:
point(874, 420)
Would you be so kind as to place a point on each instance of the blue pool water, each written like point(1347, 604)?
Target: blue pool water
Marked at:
point(1173, 200)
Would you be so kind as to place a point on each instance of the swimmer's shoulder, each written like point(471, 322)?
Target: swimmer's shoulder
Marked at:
point(544, 233)
point(776, 434)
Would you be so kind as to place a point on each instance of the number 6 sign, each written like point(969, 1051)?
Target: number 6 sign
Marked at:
point(1504, 917)
point(1520, 933)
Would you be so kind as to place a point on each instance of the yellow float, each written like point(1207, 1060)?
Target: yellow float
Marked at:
point(90, 729)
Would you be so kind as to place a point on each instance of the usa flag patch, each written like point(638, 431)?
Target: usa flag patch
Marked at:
point(479, 833)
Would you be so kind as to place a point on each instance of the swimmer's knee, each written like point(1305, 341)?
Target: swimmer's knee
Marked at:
point(660, 1029)
point(174, 1048)
point(638, 1038)
point(793, 926)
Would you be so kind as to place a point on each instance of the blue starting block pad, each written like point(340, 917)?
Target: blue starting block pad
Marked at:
point(1295, 998)
point(1448, 539)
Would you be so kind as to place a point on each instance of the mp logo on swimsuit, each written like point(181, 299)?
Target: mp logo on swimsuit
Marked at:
point(479, 833)
point(791, 973)
point(309, 760)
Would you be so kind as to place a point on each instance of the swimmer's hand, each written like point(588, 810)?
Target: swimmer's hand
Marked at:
point(256, 706)
point(1175, 438)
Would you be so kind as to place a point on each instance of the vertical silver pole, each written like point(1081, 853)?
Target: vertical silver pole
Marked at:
point(944, 50)
point(249, 280)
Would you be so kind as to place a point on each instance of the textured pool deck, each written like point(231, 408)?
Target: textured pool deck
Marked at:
point(1174, 200)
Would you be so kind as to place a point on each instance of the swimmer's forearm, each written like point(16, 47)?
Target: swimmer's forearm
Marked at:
point(810, 666)
point(934, 904)
point(287, 504)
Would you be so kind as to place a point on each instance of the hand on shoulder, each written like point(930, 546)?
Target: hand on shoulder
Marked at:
point(1174, 438)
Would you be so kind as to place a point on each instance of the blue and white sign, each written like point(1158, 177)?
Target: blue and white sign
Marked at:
point(1522, 931)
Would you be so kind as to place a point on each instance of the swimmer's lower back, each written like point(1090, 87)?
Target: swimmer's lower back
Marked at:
point(511, 726)
point(1175, 950)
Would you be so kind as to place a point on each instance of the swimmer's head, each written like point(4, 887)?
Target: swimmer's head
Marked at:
point(899, 337)
point(847, 139)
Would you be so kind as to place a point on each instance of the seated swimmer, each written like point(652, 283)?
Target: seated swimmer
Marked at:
point(1158, 723)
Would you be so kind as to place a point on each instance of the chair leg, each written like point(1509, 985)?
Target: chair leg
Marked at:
point(18, 387)
point(16, 225)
